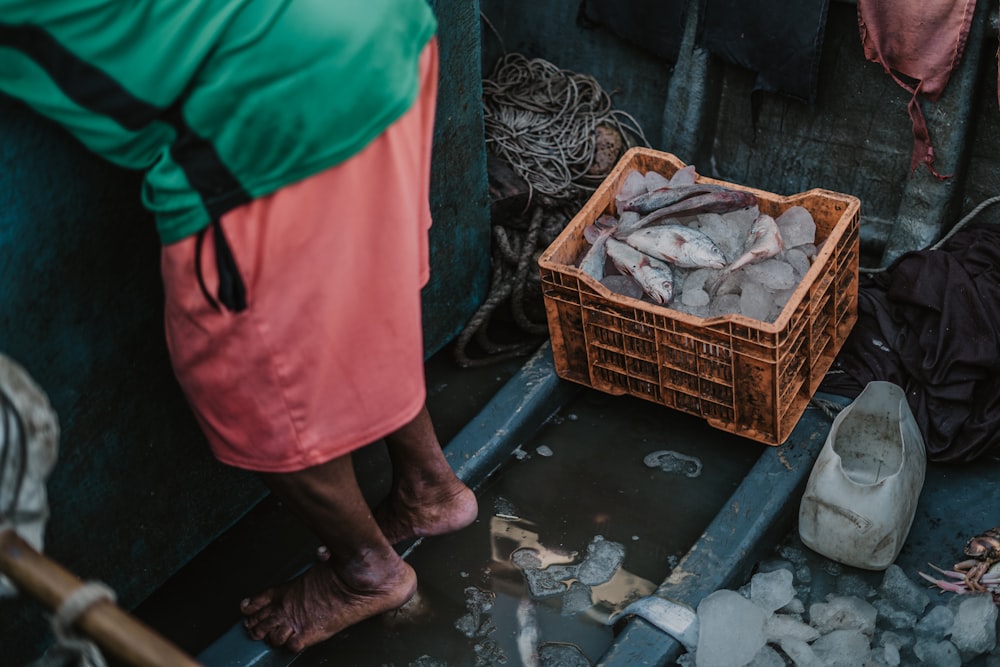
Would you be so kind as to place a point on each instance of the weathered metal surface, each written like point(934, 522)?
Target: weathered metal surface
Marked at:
point(135, 493)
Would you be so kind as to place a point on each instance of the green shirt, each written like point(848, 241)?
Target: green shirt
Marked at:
point(218, 101)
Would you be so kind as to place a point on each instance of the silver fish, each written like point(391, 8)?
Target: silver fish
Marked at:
point(764, 242)
point(648, 202)
point(655, 277)
point(593, 261)
point(719, 200)
point(679, 245)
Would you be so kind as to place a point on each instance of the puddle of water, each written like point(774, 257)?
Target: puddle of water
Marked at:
point(580, 482)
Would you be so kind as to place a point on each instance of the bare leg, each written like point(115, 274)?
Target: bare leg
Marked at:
point(426, 497)
point(362, 577)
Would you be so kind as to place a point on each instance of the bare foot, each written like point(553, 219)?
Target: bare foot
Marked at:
point(318, 604)
point(437, 512)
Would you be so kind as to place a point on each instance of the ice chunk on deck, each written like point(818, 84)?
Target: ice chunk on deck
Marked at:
point(772, 590)
point(842, 648)
point(602, 562)
point(782, 626)
point(797, 227)
point(670, 461)
point(578, 598)
point(938, 654)
point(730, 630)
point(767, 657)
point(975, 628)
point(844, 613)
point(903, 592)
point(936, 624)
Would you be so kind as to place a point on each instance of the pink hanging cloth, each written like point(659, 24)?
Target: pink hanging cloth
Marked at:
point(922, 41)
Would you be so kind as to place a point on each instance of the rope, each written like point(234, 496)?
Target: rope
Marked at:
point(13, 452)
point(70, 648)
point(961, 223)
point(541, 120)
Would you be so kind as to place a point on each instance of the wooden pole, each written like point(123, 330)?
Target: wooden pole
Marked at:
point(115, 631)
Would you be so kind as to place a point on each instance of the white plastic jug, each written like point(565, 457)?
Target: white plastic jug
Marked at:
point(862, 494)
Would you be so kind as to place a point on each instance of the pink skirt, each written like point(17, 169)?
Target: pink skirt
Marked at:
point(328, 355)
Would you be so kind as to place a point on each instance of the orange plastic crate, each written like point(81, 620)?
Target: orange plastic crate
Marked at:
point(745, 376)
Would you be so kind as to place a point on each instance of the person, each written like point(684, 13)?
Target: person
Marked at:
point(286, 149)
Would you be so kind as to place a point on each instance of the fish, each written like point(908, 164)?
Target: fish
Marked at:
point(679, 245)
point(655, 277)
point(763, 242)
point(595, 258)
point(721, 200)
point(648, 202)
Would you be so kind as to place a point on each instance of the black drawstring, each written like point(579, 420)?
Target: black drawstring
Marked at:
point(232, 290)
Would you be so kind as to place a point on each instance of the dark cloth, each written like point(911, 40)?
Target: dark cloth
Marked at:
point(779, 40)
point(920, 40)
point(655, 26)
point(931, 324)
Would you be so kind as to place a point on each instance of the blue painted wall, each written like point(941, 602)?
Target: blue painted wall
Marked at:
point(136, 493)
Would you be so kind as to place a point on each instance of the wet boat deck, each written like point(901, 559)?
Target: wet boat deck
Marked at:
point(555, 467)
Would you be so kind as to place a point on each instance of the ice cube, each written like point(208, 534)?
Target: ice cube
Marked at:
point(844, 613)
point(975, 628)
point(842, 648)
point(774, 274)
point(602, 561)
point(731, 630)
point(936, 624)
point(938, 654)
point(654, 180)
point(903, 592)
point(755, 300)
point(797, 227)
point(772, 590)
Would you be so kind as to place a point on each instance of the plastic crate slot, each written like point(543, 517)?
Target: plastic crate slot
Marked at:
point(644, 389)
point(672, 358)
point(683, 382)
point(595, 317)
point(609, 359)
point(640, 347)
point(688, 403)
point(718, 393)
point(610, 377)
point(643, 368)
point(605, 337)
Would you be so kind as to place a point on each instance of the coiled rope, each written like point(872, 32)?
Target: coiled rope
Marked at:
point(543, 121)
